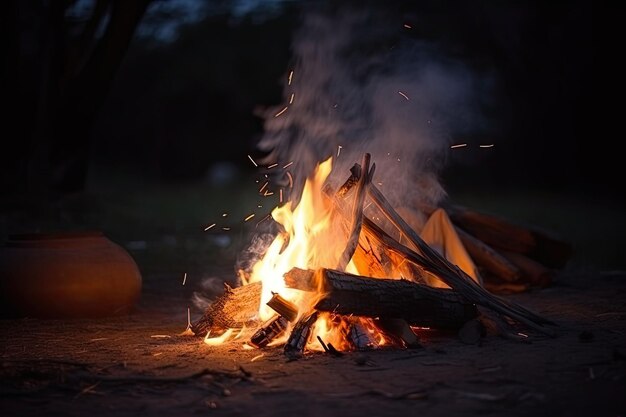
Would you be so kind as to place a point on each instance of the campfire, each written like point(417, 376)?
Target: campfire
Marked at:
point(347, 272)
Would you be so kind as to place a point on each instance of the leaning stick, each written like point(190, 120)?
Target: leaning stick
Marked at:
point(357, 212)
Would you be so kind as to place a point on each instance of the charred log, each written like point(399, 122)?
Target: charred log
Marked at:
point(270, 331)
point(300, 336)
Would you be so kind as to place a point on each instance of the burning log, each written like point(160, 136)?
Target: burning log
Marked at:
point(419, 305)
point(283, 307)
point(300, 335)
point(233, 309)
point(360, 336)
point(274, 328)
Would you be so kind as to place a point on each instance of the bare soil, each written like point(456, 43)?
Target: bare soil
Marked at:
point(141, 365)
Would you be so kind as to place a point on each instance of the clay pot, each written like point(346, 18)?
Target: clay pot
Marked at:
point(66, 275)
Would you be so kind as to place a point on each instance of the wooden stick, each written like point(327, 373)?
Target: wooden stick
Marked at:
point(357, 212)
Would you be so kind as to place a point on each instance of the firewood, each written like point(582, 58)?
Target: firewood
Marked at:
point(269, 331)
point(300, 335)
point(359, 335)
point(533, 272)
point(453, 276)
point(488, 258)
point(418, 304)
point(400, 330)
point(504, 234)
point(235, 308)
point(357, 212)
point(284, 307)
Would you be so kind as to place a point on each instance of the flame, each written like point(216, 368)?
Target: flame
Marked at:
point(311, 238)
point(307, 233)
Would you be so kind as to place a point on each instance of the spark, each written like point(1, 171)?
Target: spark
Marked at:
point(97, 339)
point(274, 165)
point(290, 179)
point(184, 278)
point(522, 334)
point(380, 183)
point(252, 160)
point(211, 226)
point(291, 98)
point(491, 145)
point(249, 217)
point(460, 145)
point(188, 318)
point(224, 214)
point(406, 25)
point(160, 336)
point(268, 193)
point(260, 206)
point(226, 229)
point(288, 165)
point(403, 95)
point(257, 357)
point(281, 195)
point(290, 76)
point(339, 150)
point(263, 186)
point(281, 112)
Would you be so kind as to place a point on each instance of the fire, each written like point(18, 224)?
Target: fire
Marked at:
point(306, 242)
point(312, 236)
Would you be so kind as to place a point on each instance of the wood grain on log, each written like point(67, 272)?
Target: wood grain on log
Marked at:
point(418, 304)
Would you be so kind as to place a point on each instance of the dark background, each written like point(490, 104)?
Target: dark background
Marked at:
point(137, 117)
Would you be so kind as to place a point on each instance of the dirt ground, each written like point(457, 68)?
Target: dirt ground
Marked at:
point(140, 365)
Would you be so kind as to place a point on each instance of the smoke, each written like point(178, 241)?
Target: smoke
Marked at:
point(362, 83)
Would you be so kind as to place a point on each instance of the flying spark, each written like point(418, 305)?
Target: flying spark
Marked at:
point(290, 76)
point(226, 229)
point(211, 226)
point(291, 98)
point(252, 160)
point(281, 195)
point(460, 145)
point(486, 146)
point(224, 214)
point(249, 217)
point(274, 165)
point(263, 186)
point(281, 112)
point(338, 150)
point(288, 165)
point(403, 95)
point(406, 25)
point(184, 278)
point(290, 179)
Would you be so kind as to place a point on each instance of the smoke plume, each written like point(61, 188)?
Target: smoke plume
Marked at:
point(360, 82)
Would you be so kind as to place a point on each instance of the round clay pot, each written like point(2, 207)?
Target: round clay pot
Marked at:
point(58, 275)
